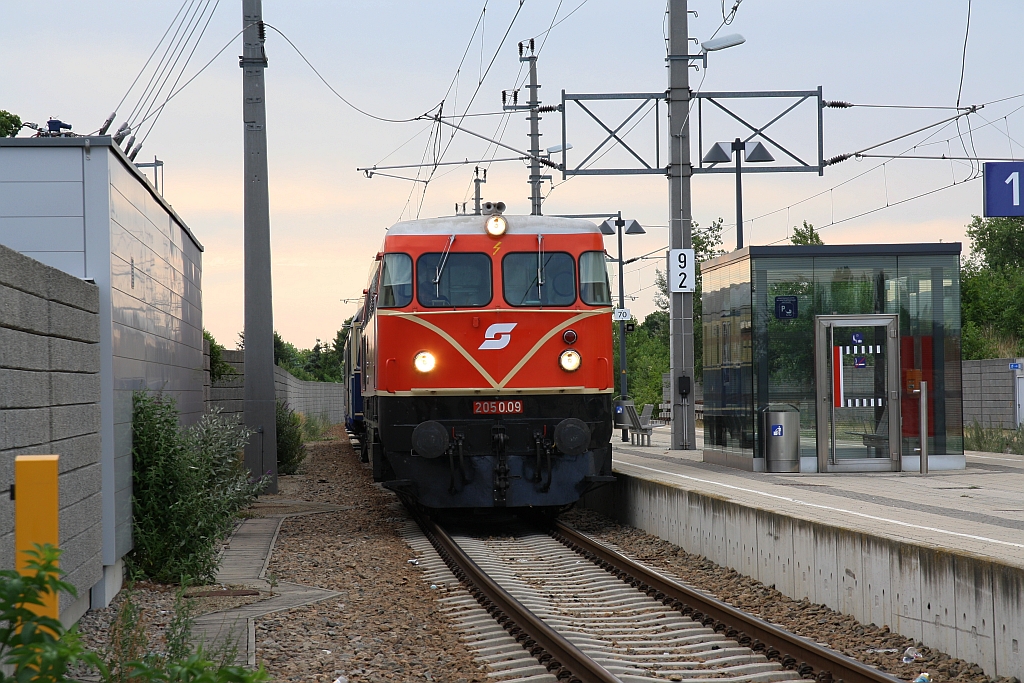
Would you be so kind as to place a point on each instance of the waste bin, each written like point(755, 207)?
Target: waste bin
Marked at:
point(782, 437)
point(621, 418)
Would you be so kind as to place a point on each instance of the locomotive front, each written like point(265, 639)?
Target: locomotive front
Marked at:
point(487, 379)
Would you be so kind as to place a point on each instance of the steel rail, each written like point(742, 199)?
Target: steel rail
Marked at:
point(793, 652)
point(563, 659)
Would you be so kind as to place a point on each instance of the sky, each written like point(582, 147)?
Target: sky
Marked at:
point(399, 59)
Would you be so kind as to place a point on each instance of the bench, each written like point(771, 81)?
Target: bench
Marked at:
point(879, 439)
point(640, 428)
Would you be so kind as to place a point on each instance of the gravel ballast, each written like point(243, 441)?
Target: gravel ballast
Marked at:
point(386, 625)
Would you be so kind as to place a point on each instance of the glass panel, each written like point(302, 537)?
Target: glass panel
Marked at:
point(396, 281)
point(784, 342)
point(928, 294)
point(534, 279)
point(594, 288)
point(860, 407)
point(728, 360)
point(453, 280)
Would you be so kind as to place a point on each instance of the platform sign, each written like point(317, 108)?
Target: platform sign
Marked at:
point(786, 307)
point(1002, 188)
point(1015, 366)
point(681, 277)
point(776, 430)
point(620, 314)
point(858, 338)
point(860, 362)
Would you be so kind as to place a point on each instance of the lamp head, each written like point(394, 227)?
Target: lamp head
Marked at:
point(634, 228)
point(723, 42)
point(757, 152)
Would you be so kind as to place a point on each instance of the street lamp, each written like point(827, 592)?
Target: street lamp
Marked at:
point(721, 152)
point(610, 227)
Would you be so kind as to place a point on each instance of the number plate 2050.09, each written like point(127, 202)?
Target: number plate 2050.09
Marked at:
point(497, 407)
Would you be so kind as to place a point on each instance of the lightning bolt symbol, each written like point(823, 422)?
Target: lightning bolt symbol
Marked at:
point(496, 248)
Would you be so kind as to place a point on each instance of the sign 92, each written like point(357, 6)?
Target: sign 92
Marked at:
point(681, 277)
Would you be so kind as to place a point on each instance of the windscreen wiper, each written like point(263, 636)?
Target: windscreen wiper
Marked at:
point(441, 265)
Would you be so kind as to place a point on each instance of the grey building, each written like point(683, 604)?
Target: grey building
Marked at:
point(78, 204)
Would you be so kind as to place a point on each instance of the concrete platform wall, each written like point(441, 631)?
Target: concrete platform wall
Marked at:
point(965, 606)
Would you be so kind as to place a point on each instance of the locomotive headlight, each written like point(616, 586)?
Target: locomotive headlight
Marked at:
point(496, 226)
point(569, 360)
point(424, 361)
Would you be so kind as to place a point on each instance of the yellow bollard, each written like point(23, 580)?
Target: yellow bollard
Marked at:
point(35, 515)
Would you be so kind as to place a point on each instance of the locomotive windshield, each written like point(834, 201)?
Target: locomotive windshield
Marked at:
point(594, 289)
point(396, 281)
point(465, 280)
point(539, 280)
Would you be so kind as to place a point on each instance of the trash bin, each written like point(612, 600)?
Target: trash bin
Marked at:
point(621, 419)
point(782, 437)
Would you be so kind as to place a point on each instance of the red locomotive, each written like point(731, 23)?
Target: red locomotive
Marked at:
point(487, 361)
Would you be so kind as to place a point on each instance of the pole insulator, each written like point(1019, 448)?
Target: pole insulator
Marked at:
point(836, 104)
point(837, 159)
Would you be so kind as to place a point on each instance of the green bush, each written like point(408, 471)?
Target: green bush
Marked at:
point(219, 368)
point(189, 483)
point(291, 450)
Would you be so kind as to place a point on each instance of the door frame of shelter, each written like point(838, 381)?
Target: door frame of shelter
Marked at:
point(824, 327)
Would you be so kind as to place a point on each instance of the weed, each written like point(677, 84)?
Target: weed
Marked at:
point(128, 641)
point(993, 439)
point(316, 427)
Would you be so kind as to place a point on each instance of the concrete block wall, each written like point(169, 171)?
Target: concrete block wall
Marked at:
point(228, 393)
point(308, 398)
point(50, 404)
point(990, 397)
point(966, 606)
point(311, 398)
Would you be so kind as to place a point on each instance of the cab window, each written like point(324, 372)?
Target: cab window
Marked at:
point(539, 278)
point(395, 281)
point(453, 280)
point(594, 289)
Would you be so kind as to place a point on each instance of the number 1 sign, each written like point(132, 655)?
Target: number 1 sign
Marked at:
point(1002, 188)
point(681, 276)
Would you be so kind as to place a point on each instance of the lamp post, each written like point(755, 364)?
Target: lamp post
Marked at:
point(721, 152)
point(610, 227)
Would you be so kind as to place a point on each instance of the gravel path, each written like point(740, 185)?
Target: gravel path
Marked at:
point(387, 624)
point(871, 644)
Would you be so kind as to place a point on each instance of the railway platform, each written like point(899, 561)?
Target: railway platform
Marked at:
point(938, 558)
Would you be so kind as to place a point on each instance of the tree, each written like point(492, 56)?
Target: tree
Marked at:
point(10, 124)
point(996, 243)
point(805, 235)
point(992, 289)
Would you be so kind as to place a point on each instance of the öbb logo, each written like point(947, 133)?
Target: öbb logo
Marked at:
point(498, 336)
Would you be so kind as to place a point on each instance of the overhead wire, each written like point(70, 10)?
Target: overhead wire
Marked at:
point(960, 89)
point(196, 75)
point(182, 71)
point(168, 61)
point(338, 94)
point(151, 55)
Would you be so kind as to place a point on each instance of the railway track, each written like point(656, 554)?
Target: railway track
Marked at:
point(582, 613)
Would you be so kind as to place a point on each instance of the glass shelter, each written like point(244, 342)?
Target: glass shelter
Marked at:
point(844, 334)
